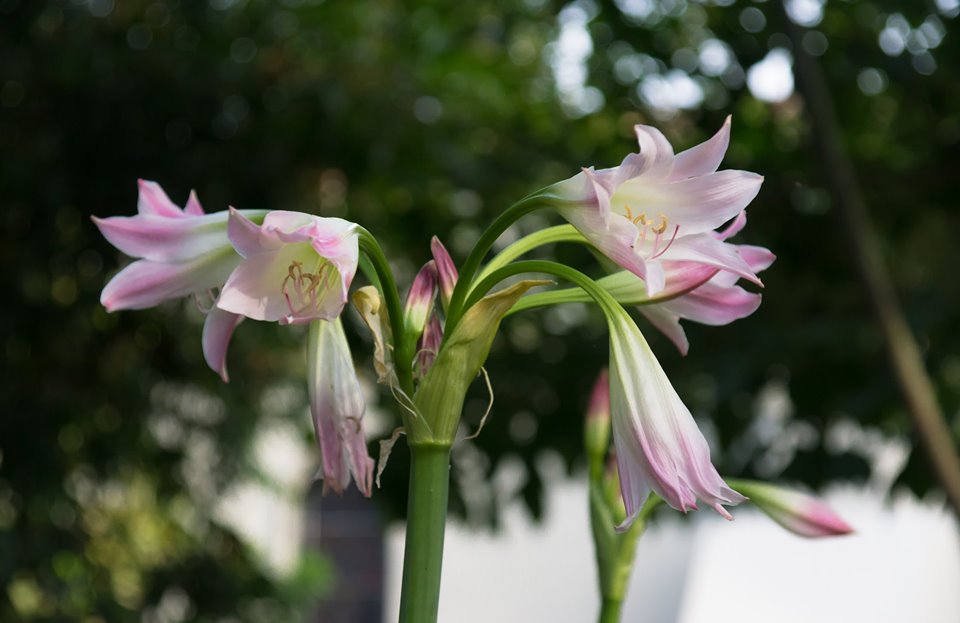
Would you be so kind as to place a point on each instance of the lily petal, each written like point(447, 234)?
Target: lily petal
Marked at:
point(193, 207)
point(705, 249)
point(703, 158)
point(164, 239)
point(153, 200)
point(217, 330)
point(696, 204)
point(145, 284)
point(668, 323)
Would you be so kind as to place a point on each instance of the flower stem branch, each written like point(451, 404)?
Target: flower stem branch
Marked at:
point(550, 235)
point(601, 296)
point(388, 288)
point(426, 520)
point(509, 216)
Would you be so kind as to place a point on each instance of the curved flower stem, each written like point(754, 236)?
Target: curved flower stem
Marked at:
point(426, 521)
point(528, 204)
point(615, 552)
point(550, 235)
point(597, 293)
point(402, 357)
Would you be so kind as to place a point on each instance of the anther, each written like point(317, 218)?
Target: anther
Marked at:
point(661, 225)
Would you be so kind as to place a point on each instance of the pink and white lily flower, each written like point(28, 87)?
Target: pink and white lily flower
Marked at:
point(657, 207)
point(337, 406)
point(296, 267)
point(182, 252)
point(695, 291)
point(658, 445)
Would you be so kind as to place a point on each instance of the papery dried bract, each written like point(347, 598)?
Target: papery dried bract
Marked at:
point(374, 314)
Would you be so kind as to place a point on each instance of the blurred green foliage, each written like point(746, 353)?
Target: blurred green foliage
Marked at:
point(414, 119)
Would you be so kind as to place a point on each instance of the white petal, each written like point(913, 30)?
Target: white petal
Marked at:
point(696, 205)
point(145, 284)
point(703, 158)
point(152, 200)
point(217, 330)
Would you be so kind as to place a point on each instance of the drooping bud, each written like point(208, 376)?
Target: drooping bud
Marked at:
point(446, 270)
point(337, 406)
point(799, 513)
point(420, 300)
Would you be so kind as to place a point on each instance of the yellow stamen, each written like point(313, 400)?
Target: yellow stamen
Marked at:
point(661, 225)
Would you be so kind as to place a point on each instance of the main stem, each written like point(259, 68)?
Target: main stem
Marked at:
point(426, 520)
point(610, 610)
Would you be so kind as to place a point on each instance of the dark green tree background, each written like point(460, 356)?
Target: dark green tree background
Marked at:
point(415, 119)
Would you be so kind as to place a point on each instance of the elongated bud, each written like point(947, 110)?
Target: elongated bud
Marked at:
point(801, 514)
point(429, 346)
point(446, 271)
point(420, 300)
point(596, 434)
point(337, 406)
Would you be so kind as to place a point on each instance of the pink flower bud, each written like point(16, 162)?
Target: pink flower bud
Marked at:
point(446, 270)
point(420, 299)
point(801, 514)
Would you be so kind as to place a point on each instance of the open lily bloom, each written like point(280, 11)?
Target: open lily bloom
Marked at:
point(658, 207)
point(183, 252)
point(296, 267)
point(694, 292)
point(659, 447)
point(337, 406)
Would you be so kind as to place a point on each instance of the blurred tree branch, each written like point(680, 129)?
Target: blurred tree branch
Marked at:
point(905, 357)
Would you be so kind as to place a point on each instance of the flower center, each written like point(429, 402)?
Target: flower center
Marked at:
point(301, 289)
point(657, 227)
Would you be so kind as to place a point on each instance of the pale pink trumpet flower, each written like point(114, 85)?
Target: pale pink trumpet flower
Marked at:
point(693, 291)
point(657, 207)
point(296, 267)
point(658, 444)
point(337, 406)
point(183, 252)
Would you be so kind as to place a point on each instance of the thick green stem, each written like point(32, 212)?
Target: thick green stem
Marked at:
point(426, 520)
point(610, 610)
point(402, 355)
